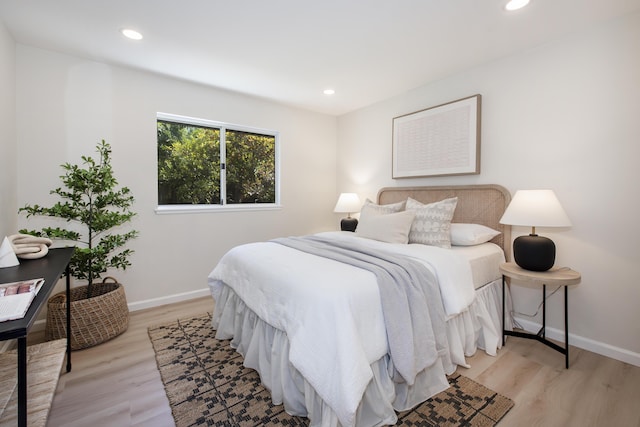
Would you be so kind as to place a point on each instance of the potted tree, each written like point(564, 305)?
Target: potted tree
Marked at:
point(94, 207)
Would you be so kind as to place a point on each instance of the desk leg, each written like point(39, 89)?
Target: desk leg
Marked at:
point(22, 382)
point(68, 292)
point(566, 329)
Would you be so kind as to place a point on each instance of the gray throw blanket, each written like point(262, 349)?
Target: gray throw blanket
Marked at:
point(411, 303)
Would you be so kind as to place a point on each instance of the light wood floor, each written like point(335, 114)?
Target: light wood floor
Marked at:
point(117, 383)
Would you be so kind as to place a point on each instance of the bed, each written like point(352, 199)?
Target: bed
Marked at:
point(346, 341)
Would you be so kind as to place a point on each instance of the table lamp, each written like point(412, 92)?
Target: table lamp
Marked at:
point(348, 203)
point(535, 208)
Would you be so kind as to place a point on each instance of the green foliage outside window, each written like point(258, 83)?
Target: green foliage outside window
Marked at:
point(189, 165)
point(187, 159)
point(250, 168)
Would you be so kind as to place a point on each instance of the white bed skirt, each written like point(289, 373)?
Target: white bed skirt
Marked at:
point(266, 350)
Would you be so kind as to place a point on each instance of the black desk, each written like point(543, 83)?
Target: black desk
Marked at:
point(51, 267)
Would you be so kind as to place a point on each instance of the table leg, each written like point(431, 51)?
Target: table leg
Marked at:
point(68, 293)
point(544, 311)
point(503, 321)
point(22, 382)
point(566, 328)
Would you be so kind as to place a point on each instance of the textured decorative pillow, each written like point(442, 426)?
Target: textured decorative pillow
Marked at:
point(432, 224)
point(471, 234)
point(371, 207)
point(390, 228)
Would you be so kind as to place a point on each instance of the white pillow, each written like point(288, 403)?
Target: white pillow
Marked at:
point(471, 234)
point(432, 223)
point(390, 228)
point(371, 207)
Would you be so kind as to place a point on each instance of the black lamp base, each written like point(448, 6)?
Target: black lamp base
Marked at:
point(533, 252)
point(348, 224)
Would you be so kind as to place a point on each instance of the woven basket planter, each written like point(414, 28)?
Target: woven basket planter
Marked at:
point(93, 320)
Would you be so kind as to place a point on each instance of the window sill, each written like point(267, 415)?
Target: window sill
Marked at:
point(192, 209)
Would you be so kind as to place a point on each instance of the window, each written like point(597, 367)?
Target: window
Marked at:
point(206, 164)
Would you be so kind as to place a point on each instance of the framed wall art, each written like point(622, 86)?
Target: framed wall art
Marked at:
point(437, 141)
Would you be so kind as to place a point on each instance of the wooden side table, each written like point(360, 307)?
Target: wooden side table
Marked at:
point(557, 276)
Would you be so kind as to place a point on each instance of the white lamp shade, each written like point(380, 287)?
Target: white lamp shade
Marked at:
point(348, 202)
point(535, 208)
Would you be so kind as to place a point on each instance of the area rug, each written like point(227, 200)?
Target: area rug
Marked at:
point(206, 384)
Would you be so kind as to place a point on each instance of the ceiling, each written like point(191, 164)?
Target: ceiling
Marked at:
point(289, 51)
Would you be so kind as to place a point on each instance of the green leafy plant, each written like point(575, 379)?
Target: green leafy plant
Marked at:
point(90, 199)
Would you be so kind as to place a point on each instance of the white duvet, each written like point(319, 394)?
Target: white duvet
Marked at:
point(330, 311)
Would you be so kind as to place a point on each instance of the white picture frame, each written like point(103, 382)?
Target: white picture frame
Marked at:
point(438, 141)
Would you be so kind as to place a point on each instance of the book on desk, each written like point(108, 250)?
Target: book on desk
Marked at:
point(16, 297)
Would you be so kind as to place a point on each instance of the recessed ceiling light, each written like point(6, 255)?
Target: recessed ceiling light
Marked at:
point(329, 91)
point(516, 4)
point(131, 34)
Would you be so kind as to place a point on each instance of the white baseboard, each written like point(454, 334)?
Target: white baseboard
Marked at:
point(40, 324)
point(170, 299)
point(603, 349)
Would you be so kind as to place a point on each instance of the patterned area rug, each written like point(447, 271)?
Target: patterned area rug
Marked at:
point(207, 385)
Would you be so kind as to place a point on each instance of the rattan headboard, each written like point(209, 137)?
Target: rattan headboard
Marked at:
point(479, 204)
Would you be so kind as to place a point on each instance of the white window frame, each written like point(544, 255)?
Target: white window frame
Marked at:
point(188, 208)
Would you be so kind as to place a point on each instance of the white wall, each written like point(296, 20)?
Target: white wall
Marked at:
point(8, 206)
point(66, 105)
point(561, 116)
point(566, 116)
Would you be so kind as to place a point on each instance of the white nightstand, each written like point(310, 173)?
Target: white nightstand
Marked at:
point(557, 276)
